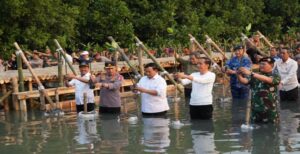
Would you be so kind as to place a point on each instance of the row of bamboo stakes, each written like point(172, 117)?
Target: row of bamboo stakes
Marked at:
point(18, 83)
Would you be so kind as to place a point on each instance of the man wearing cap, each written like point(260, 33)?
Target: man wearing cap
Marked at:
point(81, 87)
point(287, 69)
point(263, 89)
point(238, 90)
point(110, 83)
point(153, 89)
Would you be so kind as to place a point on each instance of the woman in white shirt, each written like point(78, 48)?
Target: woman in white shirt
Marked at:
point(202, 84)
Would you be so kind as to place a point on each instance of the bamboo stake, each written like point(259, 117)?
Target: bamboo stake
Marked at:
point(63, 53)
point(5, 101)
point(121, 51)
point(15, 90)
point(60, 72)
point(252, 44)
point(85, 103)
point(192, 38)
point(41, 87)
point(20, 72)
point(265, 39)
point(4, 98)
point(140, 44)
point(140, 59)
point(30, 89)
point(209, 40)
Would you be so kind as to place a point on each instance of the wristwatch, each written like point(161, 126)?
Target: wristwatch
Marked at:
point(252, 73)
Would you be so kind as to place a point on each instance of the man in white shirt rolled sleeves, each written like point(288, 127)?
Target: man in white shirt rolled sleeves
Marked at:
point(153, 89)
point(81, 87)
point(287, 69)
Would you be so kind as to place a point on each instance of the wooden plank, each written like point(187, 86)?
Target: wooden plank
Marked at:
point(97, 67)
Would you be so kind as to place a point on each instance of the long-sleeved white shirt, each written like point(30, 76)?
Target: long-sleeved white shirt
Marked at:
point(80, 88)
point(150, 103)
point(202, 86)
point(288, 73)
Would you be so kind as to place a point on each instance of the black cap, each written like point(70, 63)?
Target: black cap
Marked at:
point(238, 47)
point(83, 63)
point(109, 64)
point(270, 60)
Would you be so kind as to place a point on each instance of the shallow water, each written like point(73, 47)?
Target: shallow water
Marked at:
point(35, 133)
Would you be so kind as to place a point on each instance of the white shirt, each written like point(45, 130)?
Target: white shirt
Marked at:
point(69, 58)
point(80, 88)
point(288, 73)
point(202, 86)
point(150, 103)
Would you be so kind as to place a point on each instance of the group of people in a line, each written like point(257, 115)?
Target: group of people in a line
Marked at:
point(276, 72)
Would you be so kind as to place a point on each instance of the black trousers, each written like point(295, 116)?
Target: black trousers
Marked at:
point(291, 95)
point(153, 115)
point(90, 107)
point(110, 110)
point(201, 112)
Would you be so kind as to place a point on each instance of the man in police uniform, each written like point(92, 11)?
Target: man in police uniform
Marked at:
point(110, 83)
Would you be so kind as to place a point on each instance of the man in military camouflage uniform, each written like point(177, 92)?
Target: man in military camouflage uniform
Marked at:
point(264, 88)
point(189, 67)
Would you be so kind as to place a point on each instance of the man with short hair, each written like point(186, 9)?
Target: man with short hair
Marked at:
point(274, 53)
point(202, 84)
point(239, 91)
point(153, 89)
point(36, 62)
point(287, 69)
point(189, 66)
point(110, 83)
point(263, 89)
point(81, 87)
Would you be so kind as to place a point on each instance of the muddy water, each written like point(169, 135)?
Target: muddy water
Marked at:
point(35, 133)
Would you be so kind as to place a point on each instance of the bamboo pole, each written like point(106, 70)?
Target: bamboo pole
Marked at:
point(121, 51)
point(265, 39)
point(192, 38)
point(30, 89)
point(41, 87)
point(209, 40)
point(63, 53)
point(140, 59)
point(3, 99)
point(252, 44)
point(20, 73)
point(15, 90)
point(60, 71)
point(140, 44)
point(85, 103)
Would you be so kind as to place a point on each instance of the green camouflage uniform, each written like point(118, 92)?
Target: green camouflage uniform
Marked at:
point(264, 99)
point(188, 68)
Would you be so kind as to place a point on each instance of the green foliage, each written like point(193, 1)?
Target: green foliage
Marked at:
point(87, 24)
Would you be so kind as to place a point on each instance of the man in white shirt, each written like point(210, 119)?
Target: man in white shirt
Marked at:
point(287, 69)
point(202, 84)
point(153, 89)
point(81, 87)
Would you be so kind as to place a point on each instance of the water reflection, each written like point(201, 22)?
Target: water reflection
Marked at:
point(203, 136)
point(86, 135)
point(264, 138)
point(113, 134)
point(156, 134)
